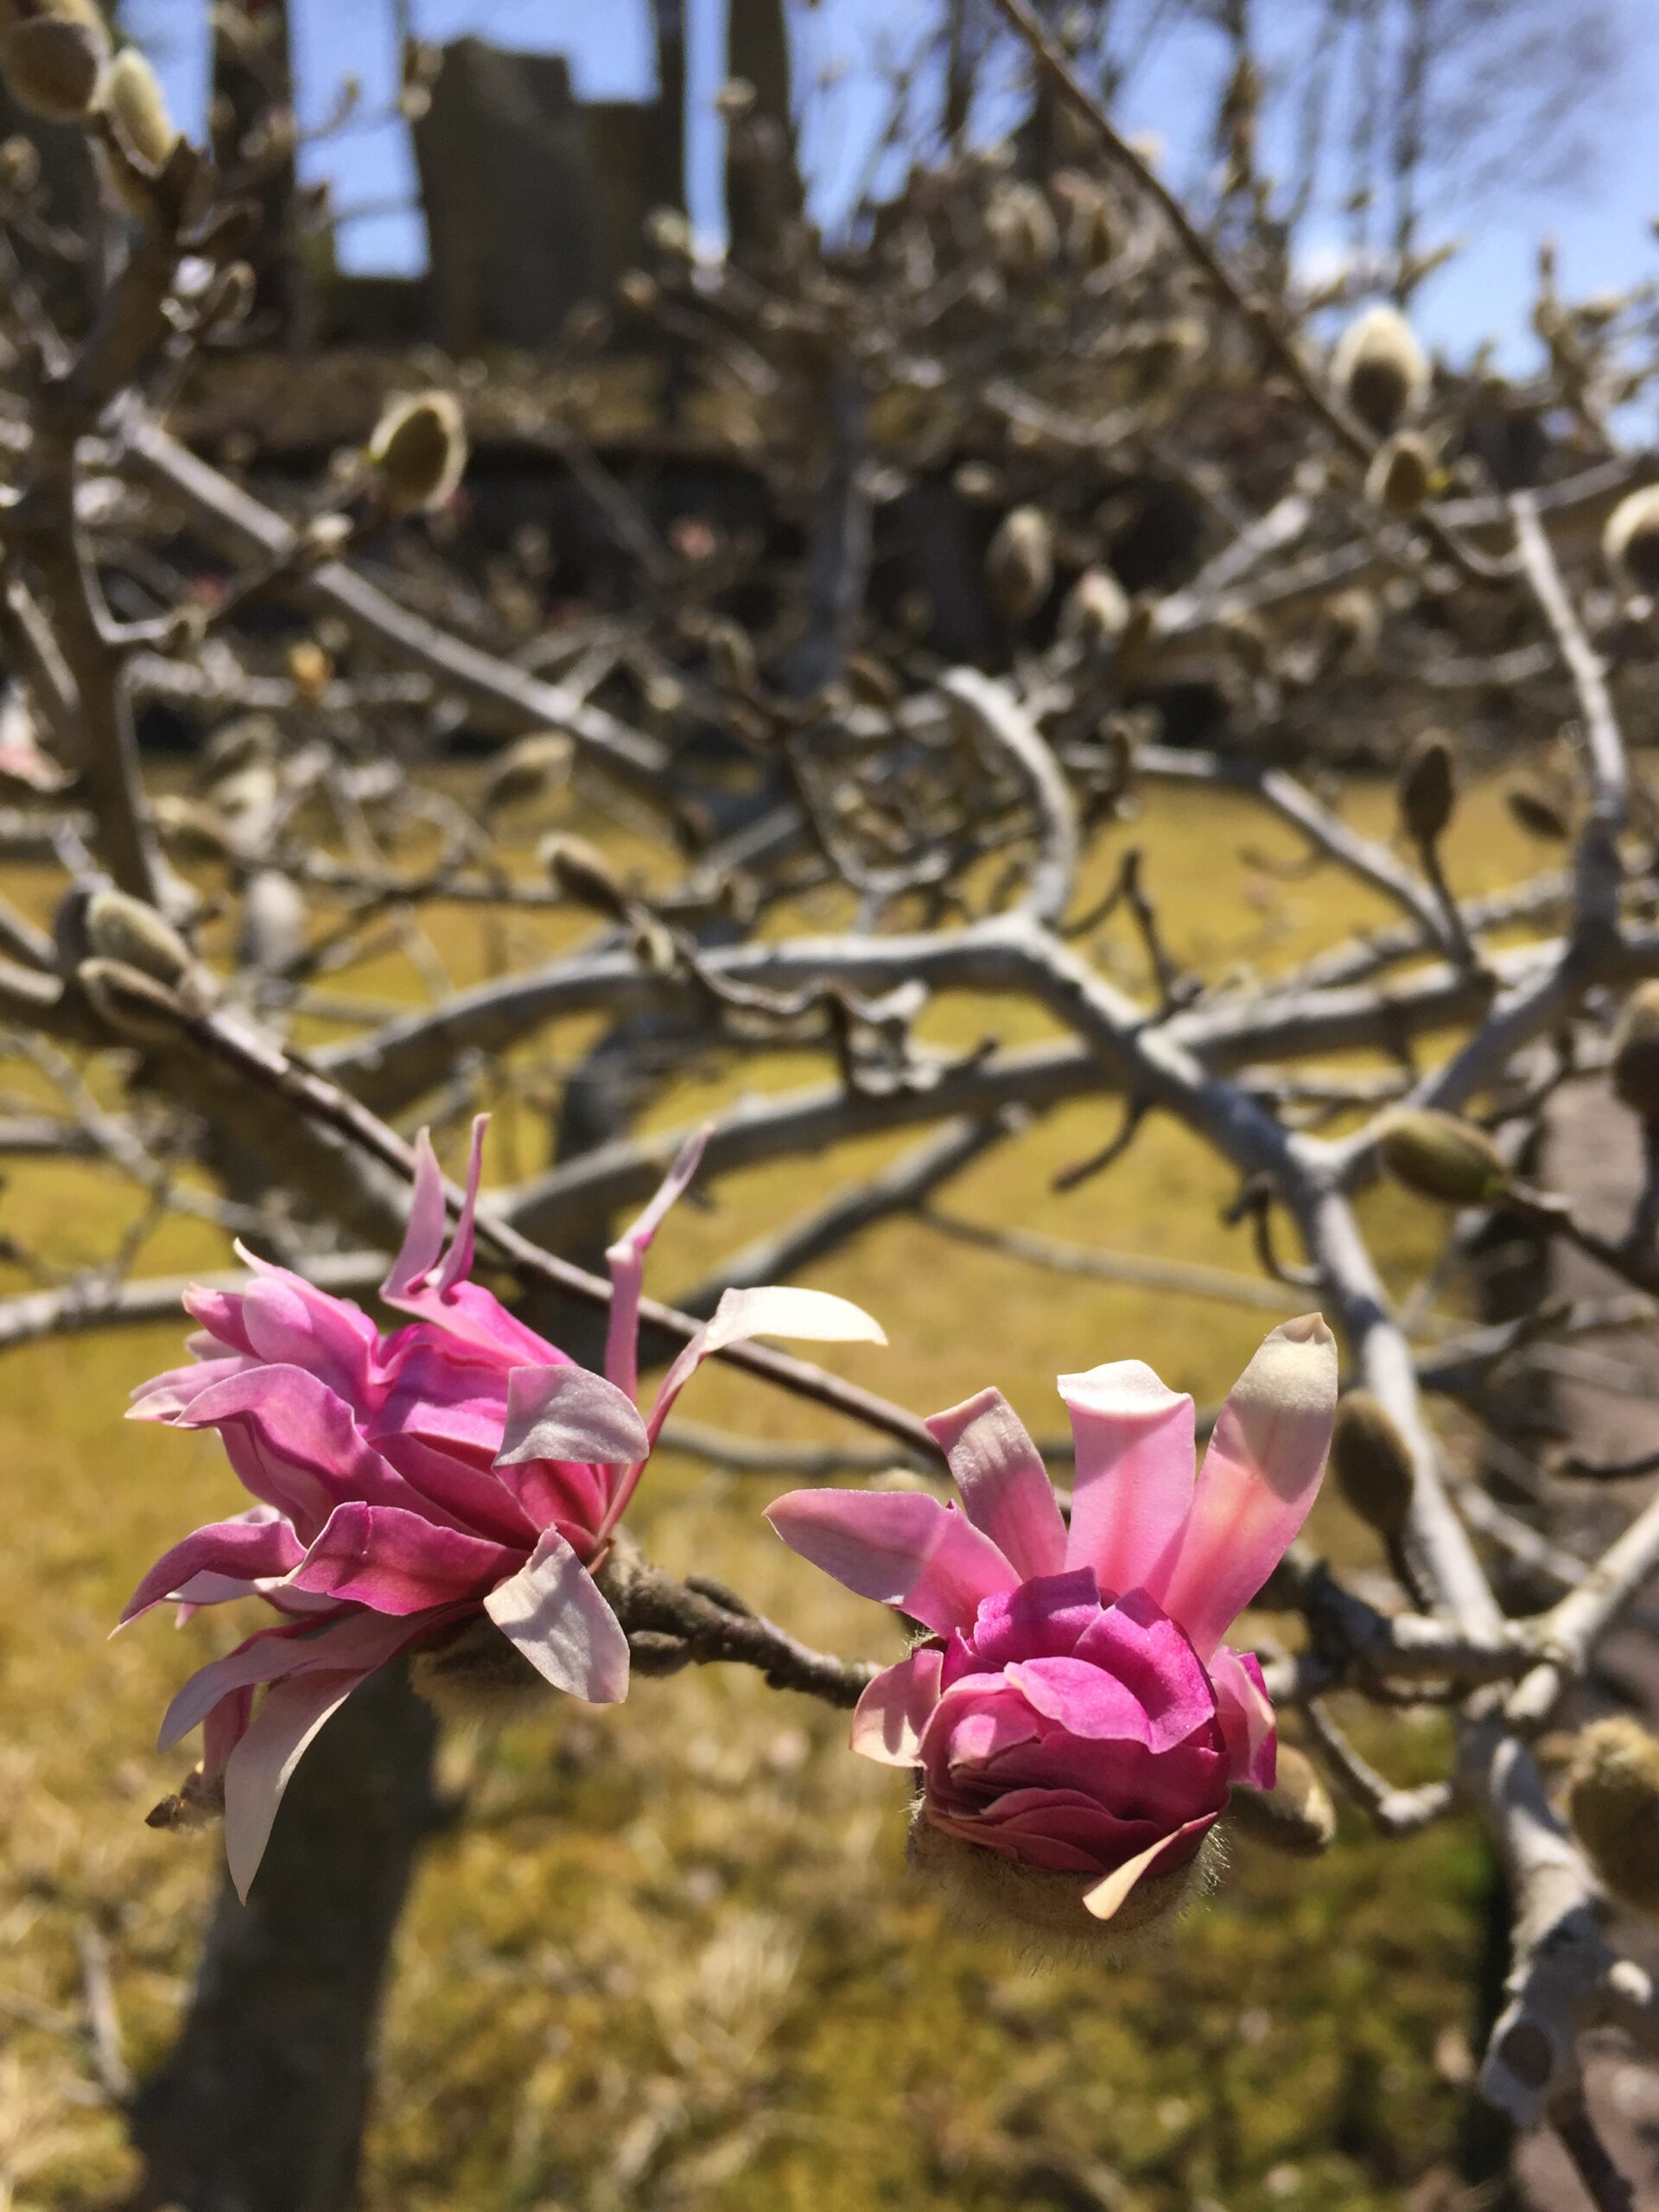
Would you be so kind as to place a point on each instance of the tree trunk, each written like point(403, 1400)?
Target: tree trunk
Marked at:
point(763, 185)
point(668, 141)
point(253, 132)
point(261, 2106)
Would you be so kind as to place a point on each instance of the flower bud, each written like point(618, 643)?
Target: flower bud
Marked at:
point(1538, 816)
point(670, 233)
point(1635, 1053)
point(138, 105)
point(1371, 1461)
point(1042, 1912)
point(131, 1002)
point(1630, 544)
point(198, 1803)
point(1380, 369)
point(1438, 1156)
point(1020, 224)
point(731, 655)
point(127, 929)
point(1402, 474)
point(309, 670)
point(1091, 235)
point(639, 291)
point(191, 830)
point(581, 872)
point(871, 682)
point(527, 768)
point(1295, 1815)
point(53, 65)
point(1428, 789)
point(20, 163)
point(735, 99)
point(1612, 1804)
point(419, 448)
point(229, 299)
point(1019, 563)
point(1096, 611)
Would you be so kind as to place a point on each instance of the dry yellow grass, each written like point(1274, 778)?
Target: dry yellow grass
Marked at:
point(671, 1955)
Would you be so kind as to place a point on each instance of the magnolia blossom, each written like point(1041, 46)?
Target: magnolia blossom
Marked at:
point(1073, 1708)
point(409, 1484)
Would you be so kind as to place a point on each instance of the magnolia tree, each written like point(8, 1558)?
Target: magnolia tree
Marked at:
point(1071, 505)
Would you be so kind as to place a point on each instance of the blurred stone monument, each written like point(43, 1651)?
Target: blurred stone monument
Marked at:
point(533, 199)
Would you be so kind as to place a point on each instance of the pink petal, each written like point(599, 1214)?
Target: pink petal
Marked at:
point(423, 1238)
point(1260, 1478)
point(459, 1491)
point(352, 1642)
point(441, 1293)
point(1004, 1485)
point(459, 1265)
point(260, 1768)
point(219, 1312)
point(1107, 1899)
point(565, 1413)
point(290, 1322)
point(888, 1719)
point(1083, 1700)
point(971, 1726)
point(1135, 1443)
point(1043, 1618)
point(164, 1397)
point(295, 1444)
point(1149, 1652)
point(244, 1548)
point(1246, 1716)
point(771, 1310)
point(767, 1312)
point(626, 1260)
point(552, 1610)
point(396, 1562)
point(900, 1547)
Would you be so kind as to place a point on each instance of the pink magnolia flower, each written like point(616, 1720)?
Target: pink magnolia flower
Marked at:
point(1074, 1709)
point(460, 1466)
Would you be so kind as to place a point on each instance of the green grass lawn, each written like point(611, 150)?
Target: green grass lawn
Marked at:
point(672, 1956)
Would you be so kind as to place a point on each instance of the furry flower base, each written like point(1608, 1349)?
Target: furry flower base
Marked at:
point(475, 1674)
point(1042, 1912)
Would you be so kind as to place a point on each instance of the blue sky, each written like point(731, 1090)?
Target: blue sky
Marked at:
point(1601, 219)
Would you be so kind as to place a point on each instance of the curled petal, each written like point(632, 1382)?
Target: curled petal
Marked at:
point(626, 1260)
point(1107, 1899)
point(1004, 1485)
point(245, 1549)
point(290, 1322)
point(1246, 1715)
point(1135, 1442)
point(553, 1612)
point(1261, 1475)
point(423, 1238)
point(900, 1547)
point(459, 1265)
point(888, 1719)
point(770, 1311)
point(219, 1312)
point(164, 1397)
